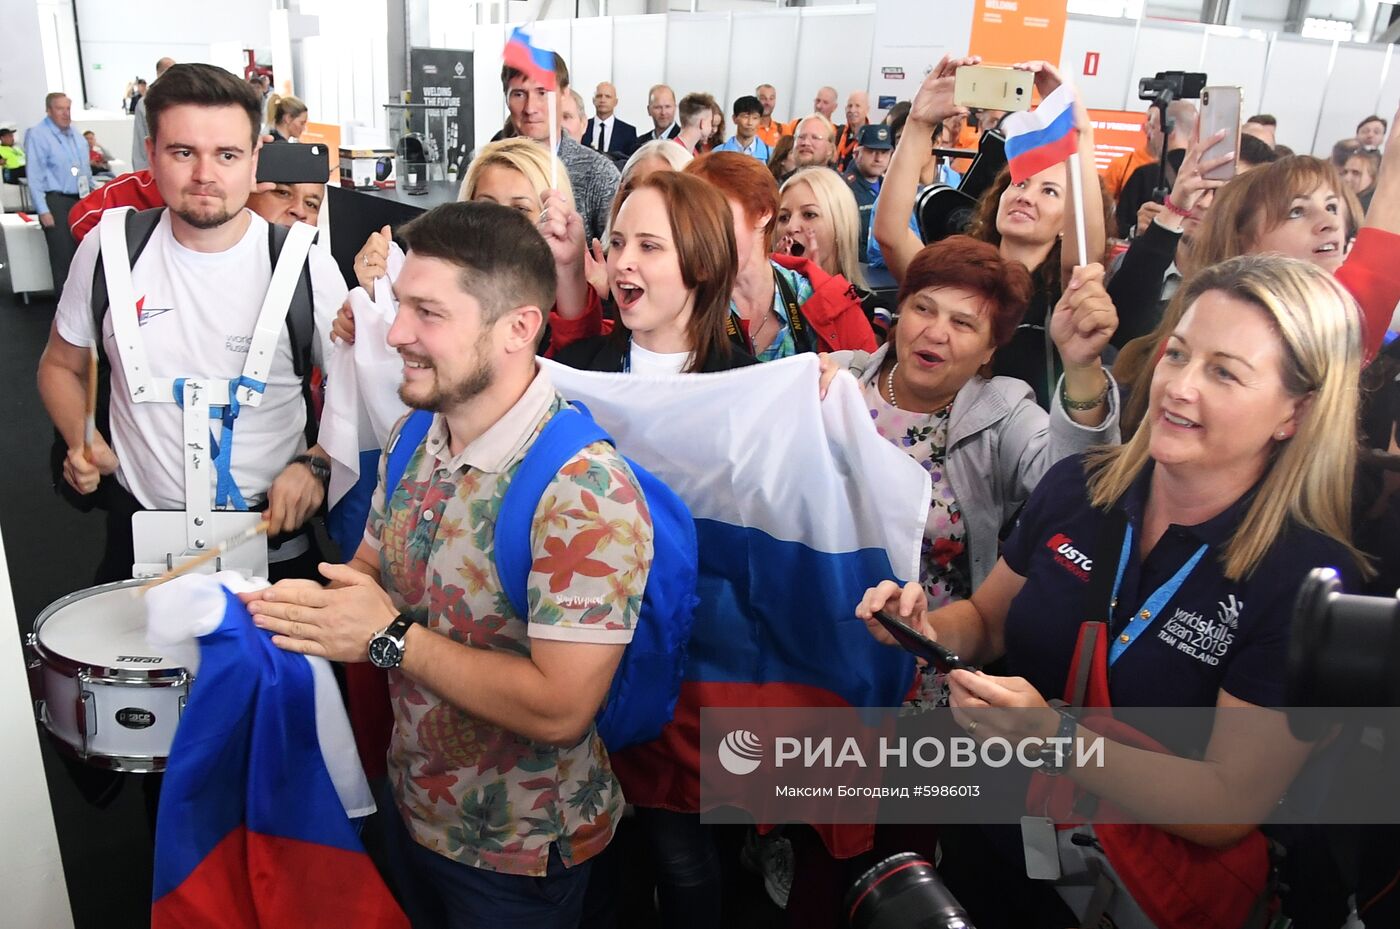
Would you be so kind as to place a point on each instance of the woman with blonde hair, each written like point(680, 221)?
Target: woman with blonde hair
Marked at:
point(656, 155)
point(1297, 207)
point(286, 118)
point(511, 172)
point(818, 219)
point(1207, 522)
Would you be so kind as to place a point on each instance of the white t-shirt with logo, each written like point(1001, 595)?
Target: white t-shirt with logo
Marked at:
point(198, 311)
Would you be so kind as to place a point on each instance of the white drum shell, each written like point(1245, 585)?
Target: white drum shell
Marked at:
point(108, 697)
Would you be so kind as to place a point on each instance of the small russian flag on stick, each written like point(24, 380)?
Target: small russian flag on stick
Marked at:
point(535, 63)
point(538, 65)
point(1046, 136)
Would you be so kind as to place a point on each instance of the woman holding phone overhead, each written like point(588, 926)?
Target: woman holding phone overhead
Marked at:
point(1298, 207)
point(1032, 222)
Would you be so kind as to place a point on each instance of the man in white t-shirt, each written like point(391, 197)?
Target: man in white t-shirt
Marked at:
point(199, 285)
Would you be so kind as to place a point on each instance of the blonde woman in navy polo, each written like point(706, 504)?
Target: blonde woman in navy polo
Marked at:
point(1236, 486)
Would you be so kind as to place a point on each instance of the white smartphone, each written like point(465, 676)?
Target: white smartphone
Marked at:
point(988, 87)
point(1220, 109)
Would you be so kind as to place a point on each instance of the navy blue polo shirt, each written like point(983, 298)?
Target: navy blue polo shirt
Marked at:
point(1214, 634)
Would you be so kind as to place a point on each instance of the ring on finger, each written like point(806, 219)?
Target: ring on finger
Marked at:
point(972, 728)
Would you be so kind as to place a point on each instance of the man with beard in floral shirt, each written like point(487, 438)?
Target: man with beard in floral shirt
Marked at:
point(503, 788)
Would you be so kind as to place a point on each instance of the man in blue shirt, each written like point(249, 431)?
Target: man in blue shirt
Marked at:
point(748, 111)
point(59, 174)
point(868, 164)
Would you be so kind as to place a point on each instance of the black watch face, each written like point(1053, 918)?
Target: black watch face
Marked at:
point(384, 652)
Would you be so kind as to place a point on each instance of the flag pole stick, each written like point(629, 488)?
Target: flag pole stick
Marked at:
point(554, 139)
point(1080, 238)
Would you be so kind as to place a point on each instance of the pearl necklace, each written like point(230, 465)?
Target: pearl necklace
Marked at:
point(889, 394)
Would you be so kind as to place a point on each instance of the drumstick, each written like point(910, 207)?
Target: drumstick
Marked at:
point(247, 535)
point(90, 422)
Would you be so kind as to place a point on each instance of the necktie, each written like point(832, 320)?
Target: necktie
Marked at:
point(602, 131)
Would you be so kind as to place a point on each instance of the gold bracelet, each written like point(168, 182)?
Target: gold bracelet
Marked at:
point(1084, 406)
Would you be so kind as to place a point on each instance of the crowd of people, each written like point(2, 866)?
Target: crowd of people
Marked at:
point(1186, 392)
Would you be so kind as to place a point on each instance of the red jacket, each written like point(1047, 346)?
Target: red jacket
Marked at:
point(1371, 275)
point(137, 189)
point(834, 309)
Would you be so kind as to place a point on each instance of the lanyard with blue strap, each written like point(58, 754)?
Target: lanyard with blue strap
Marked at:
point(226, 492)
point(1155, 602)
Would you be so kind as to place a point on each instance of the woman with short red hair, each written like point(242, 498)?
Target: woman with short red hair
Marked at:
point(983, 440)
point(782, 304)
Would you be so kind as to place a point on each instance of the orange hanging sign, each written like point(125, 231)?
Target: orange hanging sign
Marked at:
point(1007, 31)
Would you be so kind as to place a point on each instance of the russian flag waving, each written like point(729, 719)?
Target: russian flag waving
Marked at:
point(1042, 137)
point(799, 506)
point(252, 831)
point(535, 63)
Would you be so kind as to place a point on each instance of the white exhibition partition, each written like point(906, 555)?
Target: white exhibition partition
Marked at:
point(1355, 71)
point(1294, 101)
point(834, 48)
point(29, 860)
point(592, 60)
point(639, 61)
point(763, 50)
point(697, 55)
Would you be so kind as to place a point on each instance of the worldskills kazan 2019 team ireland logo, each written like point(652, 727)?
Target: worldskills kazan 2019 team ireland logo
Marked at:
point(740, 752)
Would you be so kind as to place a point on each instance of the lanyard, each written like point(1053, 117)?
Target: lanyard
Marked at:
point(67, 141)
point(803, 339)
point(1155, 603)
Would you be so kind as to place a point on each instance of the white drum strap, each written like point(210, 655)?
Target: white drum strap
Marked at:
point(198, 455)
point(201, 398)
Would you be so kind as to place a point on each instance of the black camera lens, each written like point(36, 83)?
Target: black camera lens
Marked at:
point(903, 892)
point(1343, 649)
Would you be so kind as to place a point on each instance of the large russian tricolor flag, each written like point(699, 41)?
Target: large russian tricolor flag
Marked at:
point(253, 831)
point(799, 506)
point(1040, 138)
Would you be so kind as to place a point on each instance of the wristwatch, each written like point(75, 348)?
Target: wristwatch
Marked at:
point(1052, 762)
point(386, 646)
point(319, 466)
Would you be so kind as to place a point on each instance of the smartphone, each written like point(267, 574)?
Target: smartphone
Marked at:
point(294, 163)
point(1220, 109)
point(911, 641)
point(988, 87)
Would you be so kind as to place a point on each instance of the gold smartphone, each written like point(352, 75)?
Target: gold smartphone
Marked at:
point(989, 87)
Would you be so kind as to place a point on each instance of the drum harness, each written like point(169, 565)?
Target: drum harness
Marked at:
point(202, 398)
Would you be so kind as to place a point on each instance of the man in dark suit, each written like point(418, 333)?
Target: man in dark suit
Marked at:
point(605, 132)
point(661, 107)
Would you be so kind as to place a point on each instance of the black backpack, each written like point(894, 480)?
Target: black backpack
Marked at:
point(301, 328)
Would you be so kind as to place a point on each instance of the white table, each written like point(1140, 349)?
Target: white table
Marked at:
point(24, 256)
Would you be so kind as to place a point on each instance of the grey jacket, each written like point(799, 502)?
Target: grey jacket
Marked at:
point(1000, 443)
point(595, 180)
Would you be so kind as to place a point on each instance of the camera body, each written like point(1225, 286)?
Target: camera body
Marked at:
point(1167, 86)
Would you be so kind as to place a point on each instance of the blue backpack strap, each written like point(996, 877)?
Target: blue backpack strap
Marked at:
point(563, 437)
point(401, 449)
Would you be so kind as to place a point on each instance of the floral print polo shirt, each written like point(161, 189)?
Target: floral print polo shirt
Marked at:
point(469, 789)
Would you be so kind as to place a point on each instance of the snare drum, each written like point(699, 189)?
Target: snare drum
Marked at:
point(106, 696)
